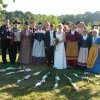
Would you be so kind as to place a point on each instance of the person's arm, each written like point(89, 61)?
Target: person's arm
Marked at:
point(2, 33)
point(11, 34)
point(64, 39)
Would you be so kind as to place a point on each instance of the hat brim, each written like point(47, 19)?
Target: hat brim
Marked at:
point(16, 22)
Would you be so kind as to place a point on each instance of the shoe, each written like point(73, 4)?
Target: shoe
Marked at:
point(12, 62)
point(70, 67)
point(5, 63)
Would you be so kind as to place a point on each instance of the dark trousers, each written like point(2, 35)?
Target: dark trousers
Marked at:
point(50, 54)
point(16, 48)
point(5, 45)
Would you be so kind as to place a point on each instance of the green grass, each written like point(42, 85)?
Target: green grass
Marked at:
point(25, 90)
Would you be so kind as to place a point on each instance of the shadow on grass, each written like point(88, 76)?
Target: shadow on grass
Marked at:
point(27, 86)
point(80, 95)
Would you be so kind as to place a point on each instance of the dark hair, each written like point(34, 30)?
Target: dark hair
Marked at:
point(77, 22)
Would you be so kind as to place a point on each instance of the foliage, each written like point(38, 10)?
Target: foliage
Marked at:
point(3, 5)
point(89, 18)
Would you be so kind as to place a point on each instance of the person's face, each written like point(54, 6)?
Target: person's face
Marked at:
point(7, 22)
point(51, 27)
point(16, 25)
point(27, 26)
point(94, 33)
point(47, 24)
point(65, 28)
point(60, 27)
point(85, 32)
point(78, 25)
point(73, 27)
point(81, 25)
point(33, 24)
point(39, 26)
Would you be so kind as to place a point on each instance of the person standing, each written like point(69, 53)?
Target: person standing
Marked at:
point(25, 56)
point(72, 38)
point(47, 26)
point(59, 53)
point(33, 28)
point(7, 38)
point(93, 63)
point(16, 31)
point(38, 52)
point(85, 43)
point(49, 45)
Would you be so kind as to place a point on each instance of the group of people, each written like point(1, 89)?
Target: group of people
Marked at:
point(76, 47)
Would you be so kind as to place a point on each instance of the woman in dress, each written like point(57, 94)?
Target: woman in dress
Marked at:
point(84, 43)
point(93, 63)
point(72, 38)
point(59, 53)
point(26, 45)
point(38, 52)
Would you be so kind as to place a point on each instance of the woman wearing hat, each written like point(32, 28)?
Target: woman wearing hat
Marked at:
point(72, 38)
point(26, 45)
point(16, 31)
point(38, 51)
point(84, 43)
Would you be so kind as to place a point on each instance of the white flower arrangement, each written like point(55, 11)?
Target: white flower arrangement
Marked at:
point(42, 80)
point(76, 75)
point(27, 77)
point(74, 86)
point(57, 79)
point(19, 71)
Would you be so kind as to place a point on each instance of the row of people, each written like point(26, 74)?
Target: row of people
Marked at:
point(37, 45)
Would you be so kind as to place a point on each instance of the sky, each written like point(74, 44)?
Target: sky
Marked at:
point(54, 7)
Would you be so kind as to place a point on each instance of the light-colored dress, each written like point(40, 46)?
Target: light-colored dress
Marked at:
point(84, 44)
point(38, 52)
point(59, 53)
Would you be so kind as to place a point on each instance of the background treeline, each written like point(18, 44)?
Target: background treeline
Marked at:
point(88, 17)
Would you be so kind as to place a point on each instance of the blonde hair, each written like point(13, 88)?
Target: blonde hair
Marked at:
point(61, 26)
point(96, 30)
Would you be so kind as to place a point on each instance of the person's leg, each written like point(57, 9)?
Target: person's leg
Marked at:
point(15, 50)
point(48, 56)
point(3, 52)
point(52, 55)
point(11, 53)
point(18, 46)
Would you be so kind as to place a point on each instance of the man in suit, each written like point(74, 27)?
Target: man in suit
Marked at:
point(49, 44)
point(7, 38)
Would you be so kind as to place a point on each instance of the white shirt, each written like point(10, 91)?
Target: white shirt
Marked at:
point(17, 35)
point(39, 31)
point(94, 39)
point(72, 32)
point(85, 37)
point(51, 38)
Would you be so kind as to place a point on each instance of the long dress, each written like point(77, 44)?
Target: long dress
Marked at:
point(96, 66)
point(25, 56)
point(72, 48)
point(59, 53)
point(38, 52)
point(84, 44)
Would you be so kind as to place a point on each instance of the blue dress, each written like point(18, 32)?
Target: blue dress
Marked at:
point(96, 68)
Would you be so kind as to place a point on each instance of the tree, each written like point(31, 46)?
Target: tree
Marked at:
point(3, 5)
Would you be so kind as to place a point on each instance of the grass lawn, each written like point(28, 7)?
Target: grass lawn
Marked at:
point(25, 90)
